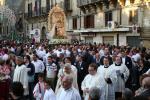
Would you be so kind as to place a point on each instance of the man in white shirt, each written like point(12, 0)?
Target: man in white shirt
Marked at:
point(68, 91)
point(49, 93)
point(90, 80)
point(51, 69)
point(39, 67)
point(41, 52)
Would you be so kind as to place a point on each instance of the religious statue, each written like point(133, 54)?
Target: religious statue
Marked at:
point(56, 22)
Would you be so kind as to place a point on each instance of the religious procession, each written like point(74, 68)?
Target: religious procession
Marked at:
point(42, 71)
point(74, 49)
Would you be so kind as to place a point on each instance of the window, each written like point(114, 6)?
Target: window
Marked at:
point(36, 8)
point(47, 5)
point(132, 1)
point(67, 5)
point(74, 23)
point(89, 21)
point(133, 17)
point(32, 26)
point(108, 40)
point(40, 9)
point(30, 10)
point(108, 17)
point(52, 4)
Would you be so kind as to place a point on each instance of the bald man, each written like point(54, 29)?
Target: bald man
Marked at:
point(146, 86)
point(68, 92)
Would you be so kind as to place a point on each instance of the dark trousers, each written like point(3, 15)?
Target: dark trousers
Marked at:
point(118, 95)
point(31, 87)
point(36, 78)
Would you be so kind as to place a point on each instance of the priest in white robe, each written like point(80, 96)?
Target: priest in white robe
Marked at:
point(90, 80)
point(122, 74)
point(68, 92)
point(107, 80)
point(66, 71)
point(20, 74)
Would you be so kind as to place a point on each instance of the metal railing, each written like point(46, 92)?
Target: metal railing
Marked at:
point(86, 2)
point(43, 11)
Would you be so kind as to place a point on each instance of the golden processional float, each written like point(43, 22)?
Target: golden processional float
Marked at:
point(56, 26)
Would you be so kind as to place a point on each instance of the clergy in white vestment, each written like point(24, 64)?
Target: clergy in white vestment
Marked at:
point(20, 74)
point(74, 69)
point(90, 80)
point(68, 92)
point(122, 74)
point(67, 71)
point(49, 93)
point(107, 80)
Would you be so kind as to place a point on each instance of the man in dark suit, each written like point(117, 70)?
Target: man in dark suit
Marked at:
point(106, 54)
point(87, 57)
point(82, 70)
point(128, 62)
point(97, 59)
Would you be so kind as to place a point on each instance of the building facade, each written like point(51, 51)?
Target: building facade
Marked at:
point(116, 22)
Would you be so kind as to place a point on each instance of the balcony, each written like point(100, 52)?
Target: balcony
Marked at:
point(81, 3)
point(38, 14)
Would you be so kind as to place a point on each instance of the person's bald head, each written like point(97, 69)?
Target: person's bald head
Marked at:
point(67, 82)
point(146, 82)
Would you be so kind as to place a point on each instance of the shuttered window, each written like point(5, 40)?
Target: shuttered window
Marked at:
point(74, 23)
point(89, 21)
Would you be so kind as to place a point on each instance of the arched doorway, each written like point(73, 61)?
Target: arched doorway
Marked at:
point(43, 33)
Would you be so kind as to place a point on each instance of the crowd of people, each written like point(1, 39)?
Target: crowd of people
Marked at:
point(42, 71)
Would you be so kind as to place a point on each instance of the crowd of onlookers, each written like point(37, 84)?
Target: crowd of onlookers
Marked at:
point(42, 71)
